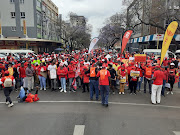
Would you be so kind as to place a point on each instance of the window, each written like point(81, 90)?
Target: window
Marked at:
point(38, 3)
point(22, 14)
point(22, 28)
point(43, 8)
point(13, 28)
point(13, 14)
point(11, 1)
point(38, 18)
point(21, 1)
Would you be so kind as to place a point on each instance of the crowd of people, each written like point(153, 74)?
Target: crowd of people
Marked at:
point(94, 73)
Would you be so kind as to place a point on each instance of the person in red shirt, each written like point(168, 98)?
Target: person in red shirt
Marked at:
point(171, 77)
point(147, 76)
point(157, 85)
point(165, 62)
point(123, 77)
point(71, 75)
point(62, 73)
point(42, 75)
point(140, 78)
point(133, 80)
point(165, 79)
point(104, 77)
point(8, 81)
point(22, 73)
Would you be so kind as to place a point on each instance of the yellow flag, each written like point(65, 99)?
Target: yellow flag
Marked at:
point(24, 26)
point(171, 29)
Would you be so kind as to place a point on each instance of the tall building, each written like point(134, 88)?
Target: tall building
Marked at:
point(76, 20)
point(151, 11)
point(30, 24)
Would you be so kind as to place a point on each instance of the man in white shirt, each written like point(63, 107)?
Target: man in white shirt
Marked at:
point(52, 75)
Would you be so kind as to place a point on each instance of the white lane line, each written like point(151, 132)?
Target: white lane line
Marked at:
point(176, 132)
point(79, 130)
point(113, 103)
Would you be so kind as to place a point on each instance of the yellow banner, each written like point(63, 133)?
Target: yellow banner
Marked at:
point(168, 38)
point(24, 26)
point(125, 61)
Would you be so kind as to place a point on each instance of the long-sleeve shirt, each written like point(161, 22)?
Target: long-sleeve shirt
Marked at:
point(30, 72)
point(22, 72)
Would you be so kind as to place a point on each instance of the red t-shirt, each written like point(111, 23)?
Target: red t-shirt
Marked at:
point(159, 75)
point(105, 81)
point(22, 72)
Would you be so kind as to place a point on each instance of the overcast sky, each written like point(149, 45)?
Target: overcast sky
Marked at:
point(95, 10)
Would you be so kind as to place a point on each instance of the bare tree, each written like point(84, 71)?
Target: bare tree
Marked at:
point(113, 30)
point(75, 35)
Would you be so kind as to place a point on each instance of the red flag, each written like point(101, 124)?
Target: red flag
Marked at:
point(77, 71)
point(177, 78)
point(125, 40)
point(74, 84)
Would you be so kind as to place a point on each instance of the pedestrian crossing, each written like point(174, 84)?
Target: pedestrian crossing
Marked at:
point(79, 130)
point(176, 132)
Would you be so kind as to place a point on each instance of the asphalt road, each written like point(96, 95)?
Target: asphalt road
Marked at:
point(58, 113)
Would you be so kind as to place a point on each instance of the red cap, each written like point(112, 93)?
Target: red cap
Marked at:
point(6, 72)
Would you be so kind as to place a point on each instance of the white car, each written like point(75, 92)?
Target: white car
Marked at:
point(3, 56)
point(157, 53)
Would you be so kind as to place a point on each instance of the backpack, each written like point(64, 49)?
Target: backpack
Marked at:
point(8, 82)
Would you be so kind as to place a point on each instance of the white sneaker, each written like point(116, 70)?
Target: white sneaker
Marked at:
point(172, 93)
point(123, 93)
point(119, 93)
point(61, 90)
point(65, 91)
point(7, 103)
point(45, 89)
point(167, 92)
point(10, 105)
point(41, 88)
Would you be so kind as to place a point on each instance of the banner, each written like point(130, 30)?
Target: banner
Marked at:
point(134, 73)
point(24, 27)
point(93, 43)
point(126, 38)
point(125, 61)
point(171, 29)
point(140, 57)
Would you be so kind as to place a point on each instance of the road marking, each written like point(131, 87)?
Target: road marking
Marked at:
point(79, 130)
point(113, 103)
point(176, 132)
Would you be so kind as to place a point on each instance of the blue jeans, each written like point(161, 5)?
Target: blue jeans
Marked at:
point(42, 82)
point(139, 84)
point(94, 87)
point(179, 83)
point(21, 81)
point(163, 87)
point(104, 93)
point(70, 84)
point(63, 83)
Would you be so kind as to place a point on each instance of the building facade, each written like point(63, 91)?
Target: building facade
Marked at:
point(143, 12)
point(29, 24)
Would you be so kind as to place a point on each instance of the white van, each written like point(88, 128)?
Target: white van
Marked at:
point(177, 53)
point(23, 52)
point(157, 53)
